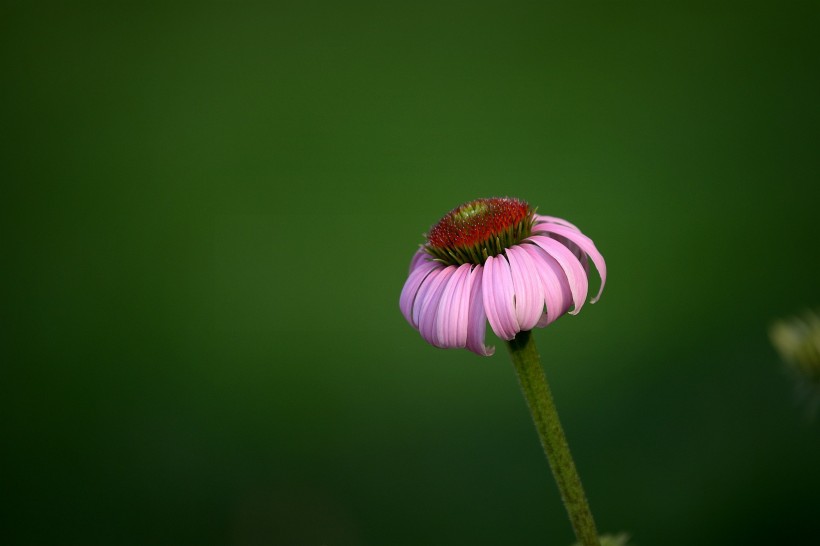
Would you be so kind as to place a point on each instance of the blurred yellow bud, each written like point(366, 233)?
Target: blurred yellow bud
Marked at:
point(797, 339)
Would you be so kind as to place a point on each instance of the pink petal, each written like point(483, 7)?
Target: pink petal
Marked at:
point(557, 296)
point(578, 283)
point(529, 293)
point(586, 245)
point(477, 318)
point(464, 299)
point(419, 257)
point(575, 249)
point(411, 289)
point(426, 285)
point(430, 303)
point(451, 332)
point(499, 297)
point(541, 219)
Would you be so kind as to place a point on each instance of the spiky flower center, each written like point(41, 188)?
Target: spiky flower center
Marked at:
point(478, 229)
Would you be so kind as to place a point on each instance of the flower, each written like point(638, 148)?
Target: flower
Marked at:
point(496, 260)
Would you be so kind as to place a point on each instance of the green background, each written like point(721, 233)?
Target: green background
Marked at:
point(208, 212)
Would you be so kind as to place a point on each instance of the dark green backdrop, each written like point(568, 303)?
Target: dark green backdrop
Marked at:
point(209, 209)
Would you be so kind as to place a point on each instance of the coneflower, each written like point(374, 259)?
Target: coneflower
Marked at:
point(495, 260)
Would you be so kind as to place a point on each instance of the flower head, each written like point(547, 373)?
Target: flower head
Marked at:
point(496, 260)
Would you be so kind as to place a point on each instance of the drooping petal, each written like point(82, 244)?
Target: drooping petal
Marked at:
point(421, 297)
point(499, 297)
point(465, 302)
point(430, 303)
point(586, 245)
point(412, 286)
point(541, 219)
point(477, 316)
point(576, 276)
point(557, 295)
point(451, 320)
point(575, 249)
point(529, 293)
point(419, 257)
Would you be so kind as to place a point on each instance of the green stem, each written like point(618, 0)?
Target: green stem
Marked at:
point(539, 399)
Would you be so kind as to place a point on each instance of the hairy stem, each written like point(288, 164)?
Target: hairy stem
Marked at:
point(539, 399)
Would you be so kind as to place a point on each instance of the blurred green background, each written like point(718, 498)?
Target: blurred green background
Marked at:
point(209, 209)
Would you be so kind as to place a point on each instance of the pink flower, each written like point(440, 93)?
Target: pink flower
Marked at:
point(496, 260)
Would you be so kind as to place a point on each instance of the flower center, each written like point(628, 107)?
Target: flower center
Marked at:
point(478, 229)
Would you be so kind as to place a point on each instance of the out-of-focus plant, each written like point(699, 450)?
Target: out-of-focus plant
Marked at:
point(621, 539)
point(797, 339)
